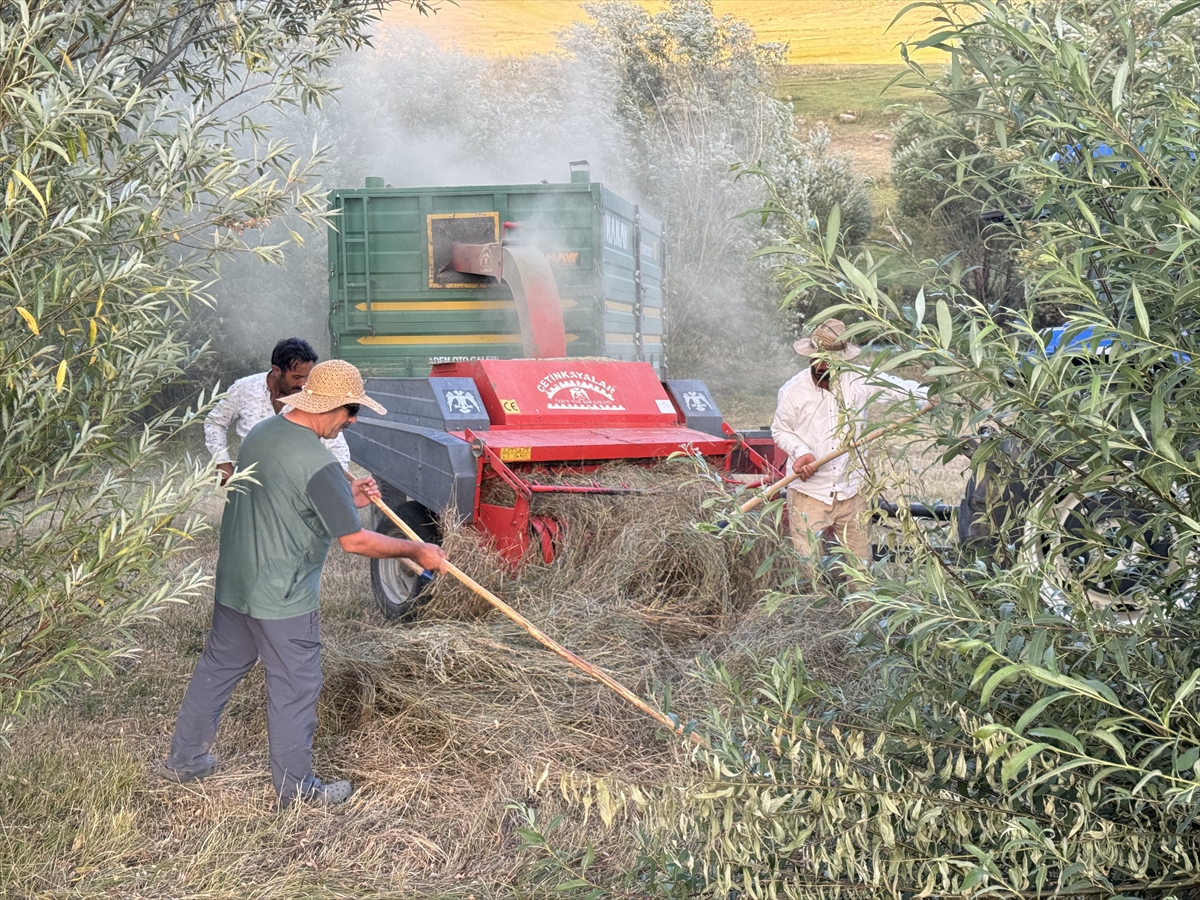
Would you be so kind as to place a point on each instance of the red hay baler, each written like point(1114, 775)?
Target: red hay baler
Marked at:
point(524, 422)
point(536, 425)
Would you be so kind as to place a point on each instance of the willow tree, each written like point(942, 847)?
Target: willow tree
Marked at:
point(130, 160)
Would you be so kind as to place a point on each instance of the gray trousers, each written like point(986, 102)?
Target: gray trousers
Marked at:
point(290, 650)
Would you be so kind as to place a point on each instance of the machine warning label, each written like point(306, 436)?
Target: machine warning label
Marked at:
point(510, 406)
point(516, 454)
point(665, 406)
point(578, 390)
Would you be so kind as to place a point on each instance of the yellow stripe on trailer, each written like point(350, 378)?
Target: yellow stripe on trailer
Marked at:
point(438, 306)
point(445, 339)
point(617, 306)
point(447, 305)
point(628, 338)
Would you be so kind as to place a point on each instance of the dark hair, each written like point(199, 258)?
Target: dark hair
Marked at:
point(291, 352)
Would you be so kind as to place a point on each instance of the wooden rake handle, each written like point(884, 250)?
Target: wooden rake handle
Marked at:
point(544, 639)
point(832, 455)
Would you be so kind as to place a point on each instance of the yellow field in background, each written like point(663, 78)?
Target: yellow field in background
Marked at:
point(826, 32)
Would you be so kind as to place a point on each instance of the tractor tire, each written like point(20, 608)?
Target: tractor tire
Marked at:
point(1107, 546)
point(990, 514)
point(398, 594)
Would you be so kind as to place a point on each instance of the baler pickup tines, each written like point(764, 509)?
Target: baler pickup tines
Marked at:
point(587, 489)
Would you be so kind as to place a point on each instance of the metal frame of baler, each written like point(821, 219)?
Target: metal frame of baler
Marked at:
point(510, 525)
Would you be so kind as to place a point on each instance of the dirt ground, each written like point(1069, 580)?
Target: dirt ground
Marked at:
point(860, 105)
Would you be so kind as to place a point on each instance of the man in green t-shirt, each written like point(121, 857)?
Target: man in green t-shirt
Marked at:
point(275, 534)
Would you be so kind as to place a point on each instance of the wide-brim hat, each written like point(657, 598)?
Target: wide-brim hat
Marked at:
point(826, 340)
point(331, 384)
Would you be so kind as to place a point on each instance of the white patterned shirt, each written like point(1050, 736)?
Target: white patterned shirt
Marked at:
point(810, 419)
point(248, 401)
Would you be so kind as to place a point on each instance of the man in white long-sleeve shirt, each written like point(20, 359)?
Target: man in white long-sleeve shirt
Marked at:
point(256, 397)
point(817, 412)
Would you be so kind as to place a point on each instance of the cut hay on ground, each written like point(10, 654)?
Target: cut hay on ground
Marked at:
point(631, 566)
point(445, 726)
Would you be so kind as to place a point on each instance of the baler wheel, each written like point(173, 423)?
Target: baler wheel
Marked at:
point(399, 592)
point(547, 530)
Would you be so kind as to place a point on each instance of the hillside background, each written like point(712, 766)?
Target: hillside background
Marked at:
point(841, 55)
point(824, 32)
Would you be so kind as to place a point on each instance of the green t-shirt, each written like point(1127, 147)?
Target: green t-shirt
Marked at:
point(275, 532)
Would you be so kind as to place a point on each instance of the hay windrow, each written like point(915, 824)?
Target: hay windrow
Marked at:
point(467, 699)
point(632, 584)
point(637, 553)
point(464, 712)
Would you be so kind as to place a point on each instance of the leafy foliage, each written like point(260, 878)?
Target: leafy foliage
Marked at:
point(939, 219)
point(1036, 727)
point(130, 158)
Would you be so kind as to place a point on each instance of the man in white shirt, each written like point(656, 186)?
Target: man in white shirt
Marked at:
point(819, 411)
point(254, 398)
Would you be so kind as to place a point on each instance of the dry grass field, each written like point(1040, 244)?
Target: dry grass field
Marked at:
point(443, 726)
point(827, 32)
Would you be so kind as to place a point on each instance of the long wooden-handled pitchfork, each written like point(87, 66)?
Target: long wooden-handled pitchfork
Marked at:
point(544, 639)
point(832, 455)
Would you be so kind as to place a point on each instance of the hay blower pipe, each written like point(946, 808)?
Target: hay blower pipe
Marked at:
point(544, 639)
point(527, 273)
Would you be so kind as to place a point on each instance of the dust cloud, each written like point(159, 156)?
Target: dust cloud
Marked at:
point(415, 116)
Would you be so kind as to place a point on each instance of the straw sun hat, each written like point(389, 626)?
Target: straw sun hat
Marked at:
point(331, 384)
point(826, 340)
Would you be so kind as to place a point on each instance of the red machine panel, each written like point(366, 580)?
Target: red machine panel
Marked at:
point(567, 393)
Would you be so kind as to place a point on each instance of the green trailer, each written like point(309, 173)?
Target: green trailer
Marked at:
point(402, 298)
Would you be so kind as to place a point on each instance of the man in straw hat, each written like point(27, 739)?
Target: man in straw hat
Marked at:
point(818, 411)
point(275, 534)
